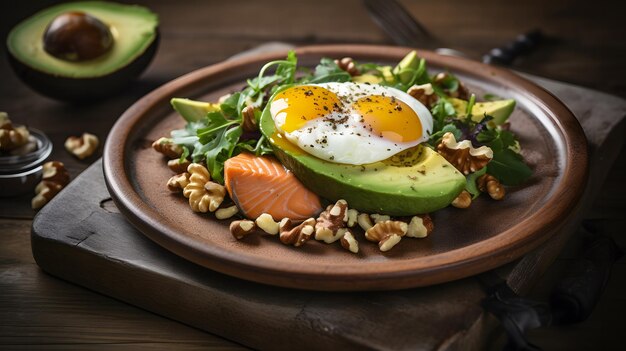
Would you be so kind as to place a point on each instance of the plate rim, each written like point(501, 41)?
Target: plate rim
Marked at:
point(450, 265)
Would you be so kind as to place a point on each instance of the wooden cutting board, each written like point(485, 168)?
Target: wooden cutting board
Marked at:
point(81, 237)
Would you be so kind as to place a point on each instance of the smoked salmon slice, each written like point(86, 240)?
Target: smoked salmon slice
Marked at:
point(260, 184)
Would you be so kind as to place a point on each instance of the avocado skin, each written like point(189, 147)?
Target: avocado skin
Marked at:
point(84, 89)
point(327, 180)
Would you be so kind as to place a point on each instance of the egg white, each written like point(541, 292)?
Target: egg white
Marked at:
point(351, 141)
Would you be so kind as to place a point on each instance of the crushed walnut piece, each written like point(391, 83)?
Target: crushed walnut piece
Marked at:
point(54, 178)
point(424, 93)
point(248, 123)
point(296, 235)
point(494, 188)
point(365, 221)
point(178, 182)
point(462, 155)
point(348, 242)
point(167, 147)
point(242, 228)
point(82, 146)
point(331, 223)
point(464, 200)
point(178, 167)
point(420, 226)
point(352, 217)
point(267, 223)
point(226, 212)
point(11, 137)
point(347, 64)
point(203, 194)
point(387, 234)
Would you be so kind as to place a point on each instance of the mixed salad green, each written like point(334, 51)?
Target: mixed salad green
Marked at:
point(220, 135)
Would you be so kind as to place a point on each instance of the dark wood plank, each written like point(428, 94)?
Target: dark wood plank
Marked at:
point(41, 312)
point(134, 269)
point(585, 48)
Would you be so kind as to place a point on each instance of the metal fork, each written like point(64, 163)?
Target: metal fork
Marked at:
point(405, 30)
point(395, 20)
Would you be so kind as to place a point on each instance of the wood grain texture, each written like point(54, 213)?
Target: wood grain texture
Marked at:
point(41, 312)
point(103, 252)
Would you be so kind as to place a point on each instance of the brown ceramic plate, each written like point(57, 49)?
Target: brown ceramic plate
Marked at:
point(465, 242)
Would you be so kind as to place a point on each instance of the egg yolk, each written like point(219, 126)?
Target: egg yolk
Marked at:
point(303, 103)
point(389, 118)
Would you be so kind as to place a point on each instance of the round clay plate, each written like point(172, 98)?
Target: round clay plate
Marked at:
point(464, 242)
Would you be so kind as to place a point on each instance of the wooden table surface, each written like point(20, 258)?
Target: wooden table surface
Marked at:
point(585, 46)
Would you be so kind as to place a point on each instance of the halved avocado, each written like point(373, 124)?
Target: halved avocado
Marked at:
point(135, 41)
point(417, 180)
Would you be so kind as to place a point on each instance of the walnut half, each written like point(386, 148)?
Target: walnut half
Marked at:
point(464, 200)
point(248, 123)
point(203, 194)
point(242, 228)
point(11, 137)
point(424, 93)
point(296, 235)
point(387, 233)
point(83, 146)
point(349, 243)
point(347, 64)
point(54, 178)
point(167, 147)
point(178, 182)
point(462, 155)
point(489, 183)
point(331, 223)
point(420, 226)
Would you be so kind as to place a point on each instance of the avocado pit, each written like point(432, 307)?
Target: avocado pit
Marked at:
point(77, 36)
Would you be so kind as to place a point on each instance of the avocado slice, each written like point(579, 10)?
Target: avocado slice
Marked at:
point(374, 79)
point(135, 40)
point(192, 110)
point(418, 180)
point(500, 110)
point(406, 68)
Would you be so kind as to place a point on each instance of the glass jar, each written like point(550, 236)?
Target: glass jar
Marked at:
point(20, 174)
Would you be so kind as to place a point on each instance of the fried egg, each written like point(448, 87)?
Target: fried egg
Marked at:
point(350, 123)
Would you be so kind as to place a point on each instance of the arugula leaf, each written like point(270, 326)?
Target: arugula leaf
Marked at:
point(259, 147)
point(449, 82)
point(219, 150)
point(287, 69)
point(215, 122)
point(496, 139)
point(508, 167)
point(435, 138)
point(263, 82)
point(229, 106)
point(442, 110)
point(471, 181)
point(328, 71)
point(187, 136)
point(184, 155)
